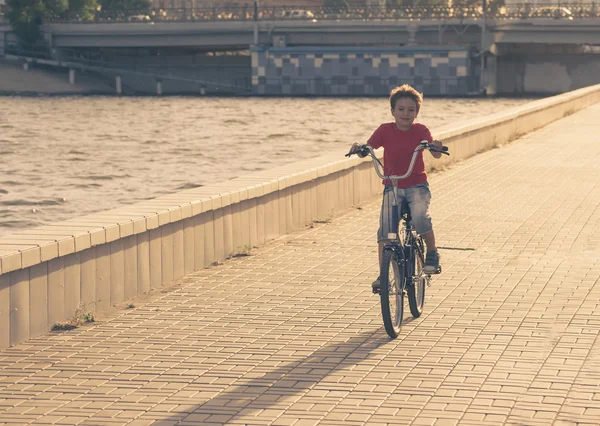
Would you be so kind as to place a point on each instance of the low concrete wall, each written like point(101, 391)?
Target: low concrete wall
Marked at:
point(103, 259)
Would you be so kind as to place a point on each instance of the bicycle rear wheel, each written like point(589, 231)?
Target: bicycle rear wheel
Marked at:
point(392, 280)
point(416, 289)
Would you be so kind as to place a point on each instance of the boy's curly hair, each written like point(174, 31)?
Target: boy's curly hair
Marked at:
point(406, 91)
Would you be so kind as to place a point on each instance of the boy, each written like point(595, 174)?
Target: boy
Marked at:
point(399, 140)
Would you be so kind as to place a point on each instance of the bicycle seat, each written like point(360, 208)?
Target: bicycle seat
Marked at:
point(405, 211)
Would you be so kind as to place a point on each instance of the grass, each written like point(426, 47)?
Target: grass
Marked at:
point(82, 316)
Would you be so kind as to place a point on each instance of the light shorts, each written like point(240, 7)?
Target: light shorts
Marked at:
point(418, 197)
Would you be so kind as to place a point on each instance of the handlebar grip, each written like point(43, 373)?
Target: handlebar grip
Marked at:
point(442, 150)
point(362, 151)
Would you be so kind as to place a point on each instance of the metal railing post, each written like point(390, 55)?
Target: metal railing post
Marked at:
point(482, 50)
point(255, 18)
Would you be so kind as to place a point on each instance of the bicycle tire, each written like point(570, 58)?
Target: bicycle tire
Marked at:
point(392, 292)
point(416, 290)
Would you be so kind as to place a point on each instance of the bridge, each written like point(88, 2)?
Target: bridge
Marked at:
point(358, 25)
point(504, 51)
point(239, 35)
point(287, 332)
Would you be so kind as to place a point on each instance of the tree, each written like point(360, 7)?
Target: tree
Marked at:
point(84, 10)
point(26, 16)
point(494, 6)
point(129, 6)
point(417, 2)
point(336, 4)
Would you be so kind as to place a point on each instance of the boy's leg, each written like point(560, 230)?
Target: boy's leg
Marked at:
point(419, 198)
point(429, 238)
point(381, 245)
point(432, 261)
point(384, 228)
point(376, 285)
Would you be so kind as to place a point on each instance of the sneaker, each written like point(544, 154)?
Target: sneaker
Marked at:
point(432, 263)
point(376, 286)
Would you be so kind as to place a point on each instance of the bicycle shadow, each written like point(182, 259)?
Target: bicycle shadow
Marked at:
point(259, 393)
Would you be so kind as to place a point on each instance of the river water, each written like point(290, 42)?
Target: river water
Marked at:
point(69, 156)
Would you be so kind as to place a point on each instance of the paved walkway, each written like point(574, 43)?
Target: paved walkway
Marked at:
point(292, 336)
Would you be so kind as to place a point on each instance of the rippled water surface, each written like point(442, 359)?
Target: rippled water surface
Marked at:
point(66, 157)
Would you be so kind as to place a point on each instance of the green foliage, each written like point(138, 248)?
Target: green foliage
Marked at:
point(81, 317)
point(337, 4)
point(467, 3)
point(26, 16)
point(494, 6)
point(417, 2)
point(133, 6)
point(84, 10)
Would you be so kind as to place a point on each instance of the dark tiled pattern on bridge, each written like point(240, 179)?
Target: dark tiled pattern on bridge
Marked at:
point(361, 70)
point(292, 336)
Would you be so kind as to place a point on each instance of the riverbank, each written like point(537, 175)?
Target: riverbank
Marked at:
point(41, 81)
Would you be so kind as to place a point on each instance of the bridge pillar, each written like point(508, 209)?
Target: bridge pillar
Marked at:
point(71, 76)
point(118, 84)
point(159, 90)
point(490, 75)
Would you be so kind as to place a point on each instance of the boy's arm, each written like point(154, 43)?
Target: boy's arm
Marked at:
point(373, 142)
point(435, 144)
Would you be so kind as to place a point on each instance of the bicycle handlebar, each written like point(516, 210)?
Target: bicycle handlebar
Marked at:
point(367, 150)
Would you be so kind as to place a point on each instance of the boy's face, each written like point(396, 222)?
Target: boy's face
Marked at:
point(405, 112)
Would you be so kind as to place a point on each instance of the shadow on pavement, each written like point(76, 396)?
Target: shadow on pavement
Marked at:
point(249, 394)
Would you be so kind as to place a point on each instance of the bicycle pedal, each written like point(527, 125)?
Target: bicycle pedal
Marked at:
point(436, 272)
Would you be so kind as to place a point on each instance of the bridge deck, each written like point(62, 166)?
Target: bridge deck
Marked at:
point(292, 336)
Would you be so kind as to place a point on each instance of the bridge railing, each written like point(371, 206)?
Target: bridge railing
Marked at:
point(565, 11)
point(27, 50)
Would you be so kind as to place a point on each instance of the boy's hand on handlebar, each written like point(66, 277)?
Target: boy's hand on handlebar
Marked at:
point(437, 148)
point(356, 149)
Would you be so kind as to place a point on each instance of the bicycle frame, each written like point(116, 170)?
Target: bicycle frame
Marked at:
point(408, 247)
point(402, 260)
point(402, 246)
point(395, 208)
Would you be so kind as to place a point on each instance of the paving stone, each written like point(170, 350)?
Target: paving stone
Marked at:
point(291, 335)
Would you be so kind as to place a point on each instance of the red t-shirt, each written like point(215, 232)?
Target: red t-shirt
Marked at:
point(398, 146)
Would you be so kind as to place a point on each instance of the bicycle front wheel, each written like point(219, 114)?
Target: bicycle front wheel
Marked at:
point(416, 289)
point(392, 281)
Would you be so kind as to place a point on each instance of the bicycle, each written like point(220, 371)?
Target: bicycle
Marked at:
point(401, 270)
